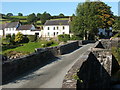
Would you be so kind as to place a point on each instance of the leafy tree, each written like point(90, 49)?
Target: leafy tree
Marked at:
point(31, 18)
point(38, 16)
point(19, 37)
point(89, 17)
point(20, 14)
point(9, 14)
point(61, 15)
point(45, 16)
point(116, 25)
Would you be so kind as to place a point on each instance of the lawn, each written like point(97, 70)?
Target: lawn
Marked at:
point(27, 48)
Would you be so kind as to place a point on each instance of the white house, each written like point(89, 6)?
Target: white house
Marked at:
point(2, 27)
point(53, 28)
point(105, 32)
point(28, 30)
point(15, 27)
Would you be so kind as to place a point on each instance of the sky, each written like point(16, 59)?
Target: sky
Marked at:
point(54, 8)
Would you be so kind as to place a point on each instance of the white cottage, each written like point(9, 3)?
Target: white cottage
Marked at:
point(53, 28)
point(15, 27)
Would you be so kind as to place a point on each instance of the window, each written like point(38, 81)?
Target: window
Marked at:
point(54, 33)
point(48, 34)
point(54, 28)
point(57, 28)
point(63, 27)
point(48, 28)
point(63, 32)
point(57, 33)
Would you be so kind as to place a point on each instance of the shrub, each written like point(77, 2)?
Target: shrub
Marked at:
point(19, 37)
point(74, 37)
point(12, 39)
point(25, 39)
point(32, 38)
point(64, 37)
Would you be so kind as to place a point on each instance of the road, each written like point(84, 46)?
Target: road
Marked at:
point(51, 75)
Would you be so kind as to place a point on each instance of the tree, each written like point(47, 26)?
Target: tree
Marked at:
point(9, 14)
point(116, 25)
point(45, 16)
point(31, 18)
point(38, 16)
point(89, 17)
point(19, 37)
point(20, 14)
point(61, 15)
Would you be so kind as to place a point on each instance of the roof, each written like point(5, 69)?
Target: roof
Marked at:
point(57, 22)
point(11, 25)
point(24, 27)
point(2, 26)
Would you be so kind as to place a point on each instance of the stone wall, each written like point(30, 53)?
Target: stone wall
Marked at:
point(98, 65)
point(15, 67)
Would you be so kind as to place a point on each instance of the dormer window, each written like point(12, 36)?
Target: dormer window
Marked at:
point(63, 27)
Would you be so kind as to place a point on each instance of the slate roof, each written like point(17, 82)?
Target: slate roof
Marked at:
point(24, 27)
point(57, 22)
point(2, 26)
point(11, 25)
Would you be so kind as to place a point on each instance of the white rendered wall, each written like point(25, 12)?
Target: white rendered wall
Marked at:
point(57, 31)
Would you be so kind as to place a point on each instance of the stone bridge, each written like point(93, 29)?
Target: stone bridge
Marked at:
point(98, 65)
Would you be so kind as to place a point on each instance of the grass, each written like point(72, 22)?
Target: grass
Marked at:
point(19, 17)
point(23, 20)
point(60, 19)
point(27, 48)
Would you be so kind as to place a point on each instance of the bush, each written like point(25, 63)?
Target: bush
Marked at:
point(76, 38)
point(32, 38)
point(64, 37)
point(25, 39)
point(47, 43)
point(19, 37)
point(12, 39)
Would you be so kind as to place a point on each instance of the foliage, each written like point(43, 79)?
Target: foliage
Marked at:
point(19, 37)
point(117, 35)
point(45, 16)
point(31, 18)
point(12, 39)
point(61, 15)
point(116, 25)
point(38, 16)
point(116, 53)
point(20, 14)
point(64, 37)
point(89, 17)
point(74, 37)
point(9, 14)
point(32, 38)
